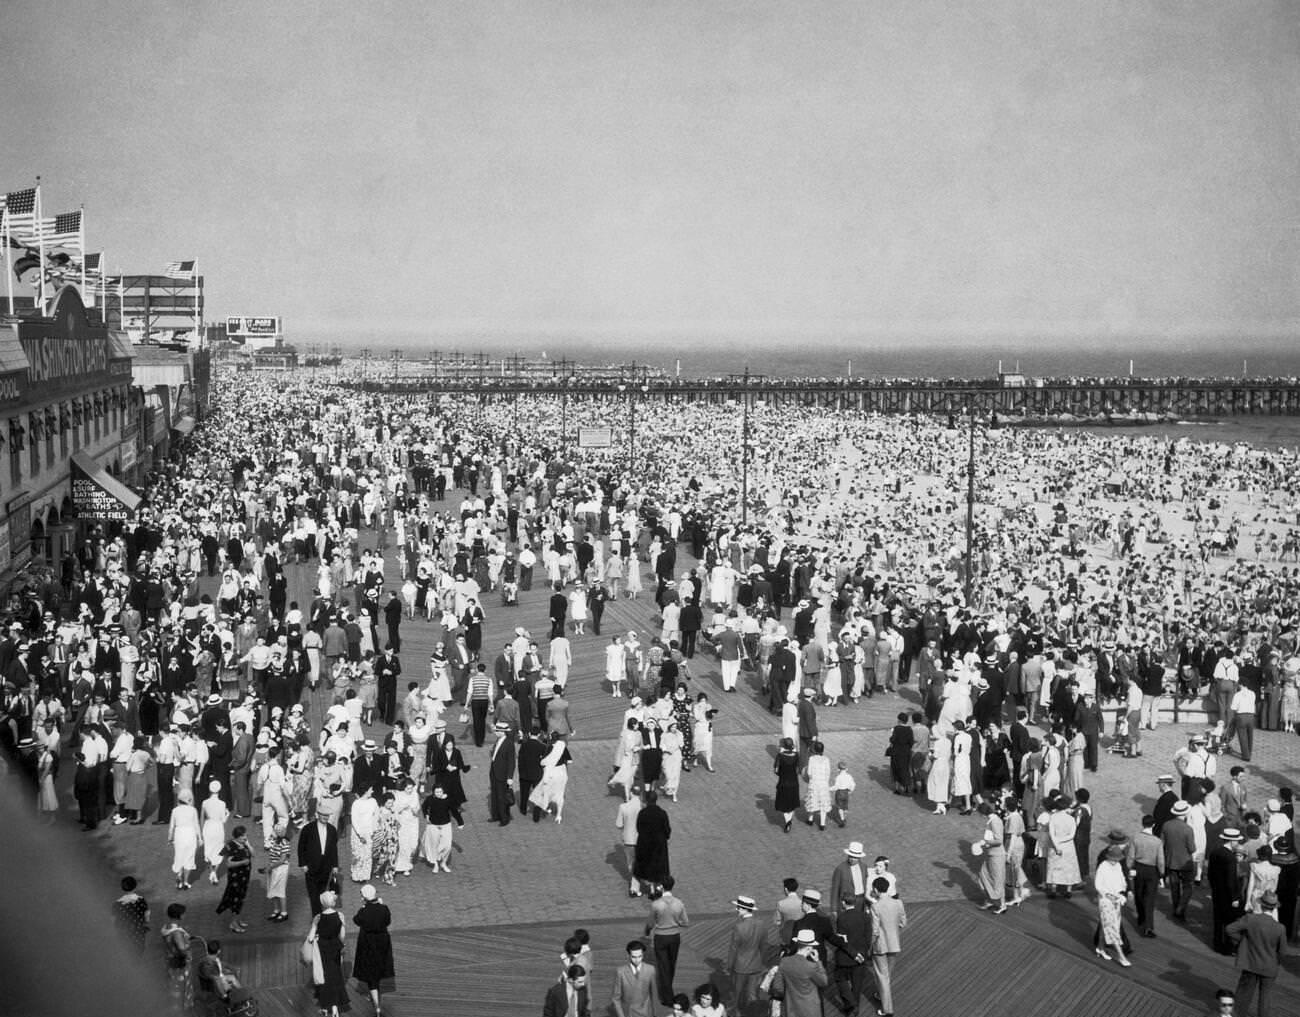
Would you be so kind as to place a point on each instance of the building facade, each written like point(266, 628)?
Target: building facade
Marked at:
point(69, 428)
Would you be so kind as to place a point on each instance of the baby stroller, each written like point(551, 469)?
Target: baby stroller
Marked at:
point(208, 999)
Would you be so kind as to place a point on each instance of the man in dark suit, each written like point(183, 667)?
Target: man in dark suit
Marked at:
point(318, 857)
point(1260, 940)
point(780, 674)
point(853, 925)
point(691, 620)
point(387, 670)
point(559, 612)
point(1226, 889)
point(569, 995)
point(531, 753)
point(393, 620)
point(500, 772)
point(370, 769)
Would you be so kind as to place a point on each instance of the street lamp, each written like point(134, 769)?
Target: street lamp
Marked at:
point(745, 380)
point(632, 391)
point(970, 501)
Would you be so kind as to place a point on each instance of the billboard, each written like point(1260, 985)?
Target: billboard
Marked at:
point(595, 437)
point(249, 326)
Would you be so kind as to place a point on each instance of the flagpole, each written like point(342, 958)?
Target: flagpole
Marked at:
point(81, 223)
point(40, 240)
point(194, 278)
point(103, 287)
point(9, 257)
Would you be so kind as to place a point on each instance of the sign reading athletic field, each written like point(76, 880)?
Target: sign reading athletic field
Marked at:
point(93, 502)
point(253, 326)
point(595, 437)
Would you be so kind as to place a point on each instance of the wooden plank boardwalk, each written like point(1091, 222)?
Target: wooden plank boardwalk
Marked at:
point(956, 960)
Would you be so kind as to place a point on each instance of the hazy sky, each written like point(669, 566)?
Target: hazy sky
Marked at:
point(869, 168)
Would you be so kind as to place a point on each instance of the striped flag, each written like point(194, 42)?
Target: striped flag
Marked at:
point(180, 270)
point(19, 209)
point(94, 264)
point(61, 231)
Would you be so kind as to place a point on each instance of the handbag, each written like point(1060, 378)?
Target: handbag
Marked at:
point(510, 795)
point(464, 716)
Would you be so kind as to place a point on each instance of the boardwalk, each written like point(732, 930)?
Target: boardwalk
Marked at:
point(485, 940)
point(956, 960)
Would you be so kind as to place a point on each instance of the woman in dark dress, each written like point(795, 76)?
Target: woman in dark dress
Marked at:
point(373, 966)
point(329, 933)
point(786, 769)
point(238, 854)
point(652, 756)
point(449, 780)
point(900, 755)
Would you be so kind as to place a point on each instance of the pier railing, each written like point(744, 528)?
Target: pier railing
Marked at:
point(1054, 398)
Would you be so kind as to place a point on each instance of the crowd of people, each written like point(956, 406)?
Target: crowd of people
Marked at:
point(1109, 578)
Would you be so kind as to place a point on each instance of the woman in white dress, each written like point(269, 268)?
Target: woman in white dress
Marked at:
point(215, 815)
point(185, 837)
point(671, 745)
point(625, 757)
point(633, 576)
point(555, 778)
point(560, 657)
point(406, 803)
point(936, 784)
point(961, 760)
point(615, 666)
point(364, 821)
point(578, 609)
point(439, 688)
point(818, 800)
point(704, 712)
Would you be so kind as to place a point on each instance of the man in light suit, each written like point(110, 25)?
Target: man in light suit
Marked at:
point(888, 920)
point(568, 997)
point(318, 856)
point(634, 984)
point(746, 962)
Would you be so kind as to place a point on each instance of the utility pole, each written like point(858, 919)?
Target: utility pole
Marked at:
point(970, 503)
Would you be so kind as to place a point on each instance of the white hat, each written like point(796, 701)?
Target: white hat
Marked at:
point(855, 850)
point(805, 937)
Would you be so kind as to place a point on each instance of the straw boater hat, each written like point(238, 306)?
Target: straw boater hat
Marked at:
point(1165, 778)
point(1181, 808)
point(1231, 835)
point(744, 903)
point(805, 937)
point(214, 699)
point(854, 850)
point(813, 897)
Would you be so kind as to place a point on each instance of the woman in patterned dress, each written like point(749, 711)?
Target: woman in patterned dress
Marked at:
point(384, 843)
point(131, 912)
point(238, 854)
point(684, 714)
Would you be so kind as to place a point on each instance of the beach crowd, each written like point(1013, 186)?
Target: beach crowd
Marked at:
point(170, 666)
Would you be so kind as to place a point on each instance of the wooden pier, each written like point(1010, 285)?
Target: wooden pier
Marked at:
point(1036, 398)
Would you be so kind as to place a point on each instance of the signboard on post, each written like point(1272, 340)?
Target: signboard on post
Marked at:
point(595, 437)
point(249, 326)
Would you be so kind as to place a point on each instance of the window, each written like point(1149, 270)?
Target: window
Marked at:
point(34, 441)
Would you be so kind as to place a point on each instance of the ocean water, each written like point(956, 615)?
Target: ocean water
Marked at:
point(722, 355)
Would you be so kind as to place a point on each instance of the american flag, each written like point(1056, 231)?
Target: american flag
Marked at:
point(180, 270)
point(19, 208)
point(94, 264)
point(61, 231)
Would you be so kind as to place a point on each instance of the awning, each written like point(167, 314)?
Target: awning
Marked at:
point(184, 426)
point(96, 494)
